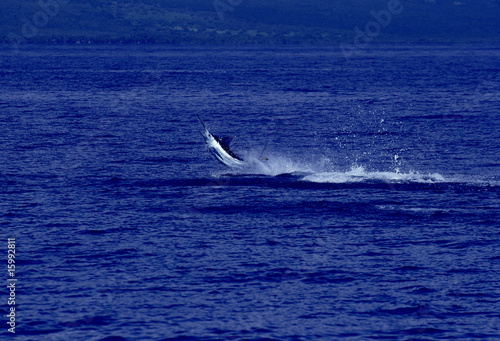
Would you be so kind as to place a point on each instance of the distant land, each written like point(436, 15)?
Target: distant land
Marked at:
point(250, 21)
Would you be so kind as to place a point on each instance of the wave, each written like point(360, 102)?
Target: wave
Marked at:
point(359, 174)
point(323, 171)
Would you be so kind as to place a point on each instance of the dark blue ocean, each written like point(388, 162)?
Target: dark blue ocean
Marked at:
point(375, 216)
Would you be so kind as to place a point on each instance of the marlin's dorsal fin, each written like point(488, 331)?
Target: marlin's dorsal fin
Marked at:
point(227, 140)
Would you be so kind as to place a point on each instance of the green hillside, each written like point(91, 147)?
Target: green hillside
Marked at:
point(243, 21)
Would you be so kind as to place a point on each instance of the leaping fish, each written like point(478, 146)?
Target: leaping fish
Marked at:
point(219, 147)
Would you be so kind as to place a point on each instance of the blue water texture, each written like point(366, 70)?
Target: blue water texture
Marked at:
point(368, 208)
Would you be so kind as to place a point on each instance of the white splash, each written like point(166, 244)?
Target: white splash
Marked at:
point(321, 171)
point(359, 174)
point(273, 165)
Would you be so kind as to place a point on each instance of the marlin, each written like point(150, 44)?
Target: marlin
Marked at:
point(219, 147)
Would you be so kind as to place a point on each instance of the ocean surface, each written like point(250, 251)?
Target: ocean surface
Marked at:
point(369, 209)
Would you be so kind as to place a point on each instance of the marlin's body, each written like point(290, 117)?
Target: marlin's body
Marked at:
point(219, 147)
